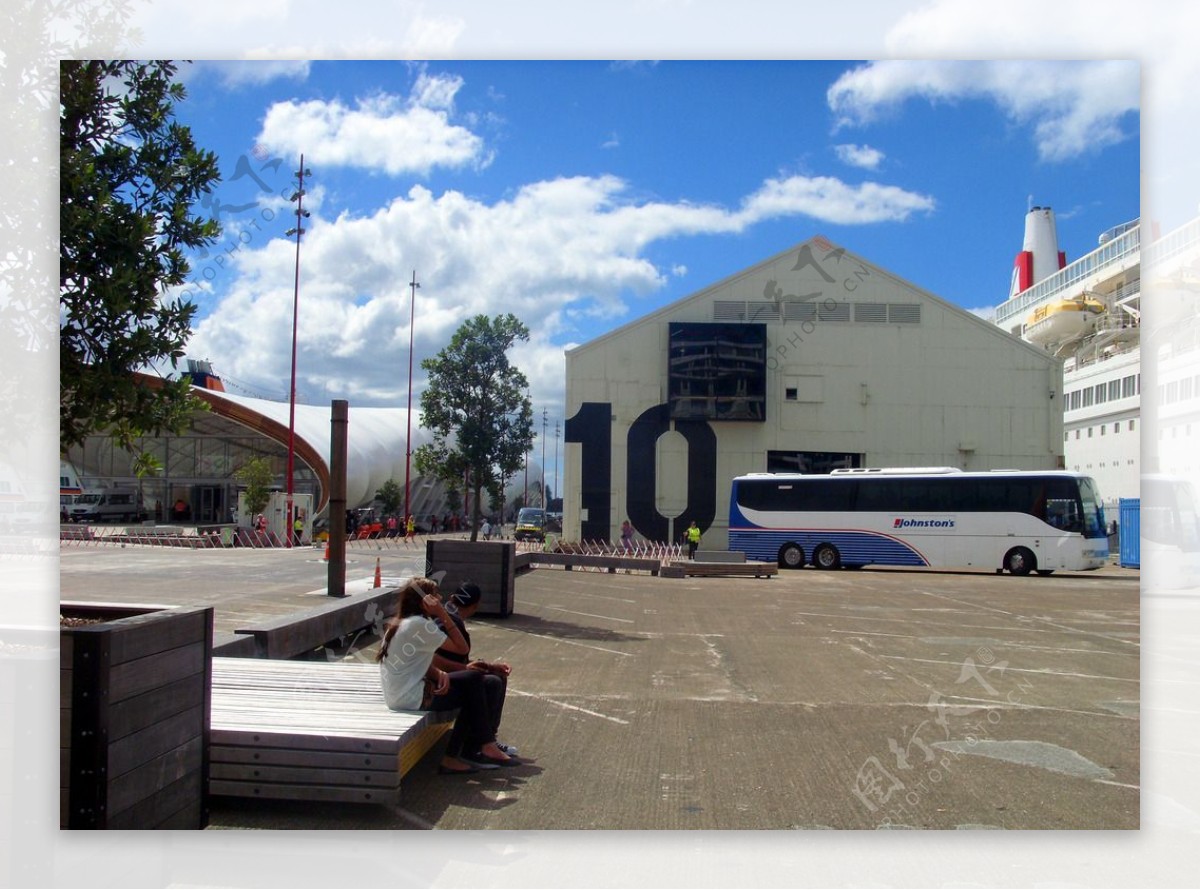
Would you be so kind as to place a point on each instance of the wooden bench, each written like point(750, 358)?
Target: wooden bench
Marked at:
point(682, 569)
point(311, 730)
point(589, 560)
point(298, 633)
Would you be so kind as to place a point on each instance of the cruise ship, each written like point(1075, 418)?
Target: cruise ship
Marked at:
point(1087, 312)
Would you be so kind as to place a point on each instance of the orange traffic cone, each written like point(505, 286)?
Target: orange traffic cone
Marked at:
point(378, 574)
point(326, 556)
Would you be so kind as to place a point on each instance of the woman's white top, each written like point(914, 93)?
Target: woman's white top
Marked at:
point(402, 671)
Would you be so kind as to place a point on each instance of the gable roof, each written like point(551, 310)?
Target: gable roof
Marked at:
point(820, 249)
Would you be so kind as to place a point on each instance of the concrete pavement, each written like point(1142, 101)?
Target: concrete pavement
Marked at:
point(868, 699)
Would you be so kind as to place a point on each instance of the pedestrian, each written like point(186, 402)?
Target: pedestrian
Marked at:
point(626, 536)
point(411, 681)
point(410, 528)
point(693, 539)
point(485, 529)
point(461, 605)
point(298, 529)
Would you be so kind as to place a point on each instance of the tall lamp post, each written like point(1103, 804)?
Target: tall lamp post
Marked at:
point(544, 506)
point(301, 214)
point(412, 314)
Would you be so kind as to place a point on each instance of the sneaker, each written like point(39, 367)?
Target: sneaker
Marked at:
point(510, 750)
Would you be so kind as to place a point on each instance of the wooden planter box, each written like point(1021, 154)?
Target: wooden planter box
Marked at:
point(135, 697)
point(490, 564)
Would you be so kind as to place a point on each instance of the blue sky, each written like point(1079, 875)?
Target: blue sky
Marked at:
point(582, 195)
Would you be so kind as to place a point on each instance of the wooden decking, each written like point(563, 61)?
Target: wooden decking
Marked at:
point(311, 730)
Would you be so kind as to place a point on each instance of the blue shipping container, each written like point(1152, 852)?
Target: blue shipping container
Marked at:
point(1131, 533)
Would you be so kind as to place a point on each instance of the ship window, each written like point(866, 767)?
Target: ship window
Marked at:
point(1185, 389)
point(1100, 393)
point(1102, 426)
point(1116, 427)
point(1172, 391)
point(1087, 397)
point(1076, 435)
point(1090, 430)
point(1114, 390)
point(1127, 386)
point(1131, 423)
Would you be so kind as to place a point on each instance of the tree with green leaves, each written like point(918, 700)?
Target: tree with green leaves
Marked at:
point(129, 177)
point(258, 478)
point(477, 408)
point(390, 497)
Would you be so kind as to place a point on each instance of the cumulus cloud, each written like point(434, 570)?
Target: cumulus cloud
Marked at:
point(393, 134)
point(553, 251)
point(1072, 107)
point(859, 156)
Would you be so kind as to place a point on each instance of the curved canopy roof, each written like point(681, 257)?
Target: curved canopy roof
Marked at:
point(375, 438)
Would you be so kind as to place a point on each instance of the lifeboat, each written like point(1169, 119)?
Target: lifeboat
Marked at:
point(1061, 320)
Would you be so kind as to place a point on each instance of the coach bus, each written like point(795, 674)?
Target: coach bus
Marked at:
point(1019, 521)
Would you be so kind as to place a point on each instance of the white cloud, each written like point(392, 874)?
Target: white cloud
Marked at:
point(256, 73)
point(551, 253)
point(859, 155)
point(831, 200)
point(1073, 107)
point(381, 132)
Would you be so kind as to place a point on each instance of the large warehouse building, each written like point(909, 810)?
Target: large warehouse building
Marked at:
point(812, 360)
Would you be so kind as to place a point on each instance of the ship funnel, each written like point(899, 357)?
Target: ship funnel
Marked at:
point(1039, 257)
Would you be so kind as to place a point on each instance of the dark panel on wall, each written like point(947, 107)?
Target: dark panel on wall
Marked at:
point(641, 481)
point(702, 475)
point(591, 427)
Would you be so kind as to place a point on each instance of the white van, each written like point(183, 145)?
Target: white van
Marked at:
point(106, 505)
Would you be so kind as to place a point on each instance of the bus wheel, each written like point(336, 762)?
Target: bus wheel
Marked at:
point(791, 557)
point(1020, 561)
point(826, 556)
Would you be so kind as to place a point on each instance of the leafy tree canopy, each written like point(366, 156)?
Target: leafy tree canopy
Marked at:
point(258, 477)
point(130, 175)
point(390, 497)
point(477, 408)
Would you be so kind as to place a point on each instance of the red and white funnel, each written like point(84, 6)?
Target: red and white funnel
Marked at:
point(1039, 257)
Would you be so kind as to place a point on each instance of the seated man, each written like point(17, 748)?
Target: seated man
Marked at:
point(462, 604)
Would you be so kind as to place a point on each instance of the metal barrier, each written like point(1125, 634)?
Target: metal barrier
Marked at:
point(86, 535)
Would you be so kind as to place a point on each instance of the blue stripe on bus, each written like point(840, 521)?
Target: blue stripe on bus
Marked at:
point(855, 547)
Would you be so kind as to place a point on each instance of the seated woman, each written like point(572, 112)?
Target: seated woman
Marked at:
point(463, 603)
point(411, 681)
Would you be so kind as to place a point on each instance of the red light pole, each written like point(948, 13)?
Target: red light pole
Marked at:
point(412, 314)
point(301, 213)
